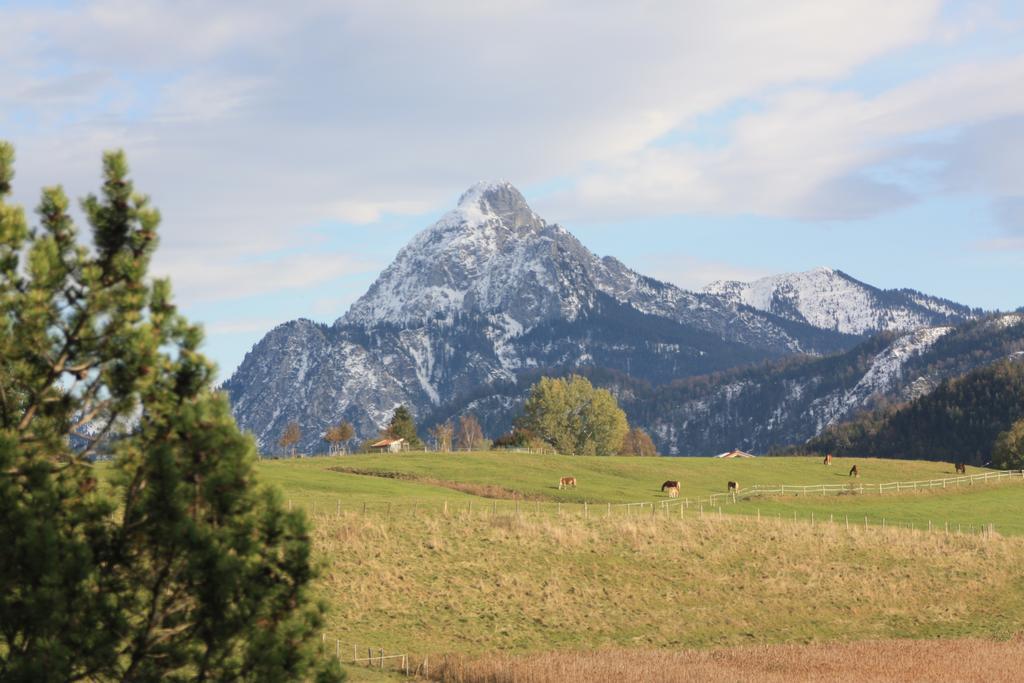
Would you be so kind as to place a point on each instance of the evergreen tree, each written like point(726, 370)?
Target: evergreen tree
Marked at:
point(402, 426)
point(175, 566)
point(574, 417)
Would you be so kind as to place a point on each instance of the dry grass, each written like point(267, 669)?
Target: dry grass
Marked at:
point(477, 583)
point(890, 661)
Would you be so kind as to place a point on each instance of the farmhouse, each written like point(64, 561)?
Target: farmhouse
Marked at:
point(387, 445)
point(735, 453)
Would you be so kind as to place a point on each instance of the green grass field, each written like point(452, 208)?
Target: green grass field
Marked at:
point(318, 486)
point(417, 557)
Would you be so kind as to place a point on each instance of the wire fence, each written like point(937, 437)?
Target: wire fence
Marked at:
point(375, 657)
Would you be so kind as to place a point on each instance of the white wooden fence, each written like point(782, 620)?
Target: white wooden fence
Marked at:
point(894, 486)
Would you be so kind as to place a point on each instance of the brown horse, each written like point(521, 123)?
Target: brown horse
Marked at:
point(566, 481)
point(828, 459)
point(854, 472)
point(733, 486)
point(672, 487)
point(961, 468)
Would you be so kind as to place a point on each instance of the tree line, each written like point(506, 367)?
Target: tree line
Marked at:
point(564, 415)
point(977, 419)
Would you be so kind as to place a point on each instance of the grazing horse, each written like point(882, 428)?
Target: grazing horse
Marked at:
point(828, 459)
point(961, 468)
point(672, 487)
point(566, 481)
point(733, 486)
point(854, 472)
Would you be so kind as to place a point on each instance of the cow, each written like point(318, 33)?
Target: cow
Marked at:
point(854, 472)
point(828, 459)
point(961, 468)
point(733, 486)
point(672, 487)
point(566, 482)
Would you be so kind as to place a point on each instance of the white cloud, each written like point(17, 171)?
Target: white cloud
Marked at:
point(249, 122)
point(216, 276)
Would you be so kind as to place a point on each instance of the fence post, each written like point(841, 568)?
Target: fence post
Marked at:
point(382, 658)
point(847, 522)
point(609, 509)
point(586, 510)
point(446, 507)
point(339, 507)
point(702, 512)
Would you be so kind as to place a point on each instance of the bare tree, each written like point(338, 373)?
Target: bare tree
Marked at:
point(338, 434)
point(471, 434)
point(291, 436)
point(442, 435)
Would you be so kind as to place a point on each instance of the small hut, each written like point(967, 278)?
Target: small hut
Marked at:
point(387, 446)
point(735, 453)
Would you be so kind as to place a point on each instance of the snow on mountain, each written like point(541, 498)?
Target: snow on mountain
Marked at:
point(775, 405)
point(882, 378)
point(491, 290)
point(832, 300)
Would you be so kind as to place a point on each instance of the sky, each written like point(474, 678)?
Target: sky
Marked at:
point(293, 148)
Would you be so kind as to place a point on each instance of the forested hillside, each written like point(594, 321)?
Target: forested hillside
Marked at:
point(959, 421)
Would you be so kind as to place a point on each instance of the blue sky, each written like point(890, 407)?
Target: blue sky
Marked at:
point(294, 151)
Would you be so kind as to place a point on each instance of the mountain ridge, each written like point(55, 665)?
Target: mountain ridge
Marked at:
point(486, 293)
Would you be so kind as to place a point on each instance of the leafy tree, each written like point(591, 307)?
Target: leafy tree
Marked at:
point(471, 434)
point(442, 435)
point(402, 426)
point(290, 437)
point(343, 432)
point(574, 417)
point(176, 565)
point(637, 442)
point(1008, 452)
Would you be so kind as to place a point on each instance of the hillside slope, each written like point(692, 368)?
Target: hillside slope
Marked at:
point(959, 421)
point(772, 405)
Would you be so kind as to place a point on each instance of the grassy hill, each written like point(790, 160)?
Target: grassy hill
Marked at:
point(435, 566)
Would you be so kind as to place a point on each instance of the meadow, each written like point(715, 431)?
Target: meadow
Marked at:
point(413, 561)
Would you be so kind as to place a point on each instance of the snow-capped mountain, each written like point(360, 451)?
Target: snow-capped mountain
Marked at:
point(490, 292)
point(832, 300)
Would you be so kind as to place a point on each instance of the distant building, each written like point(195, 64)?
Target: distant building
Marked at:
point(735, 454)
point(388, 445)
